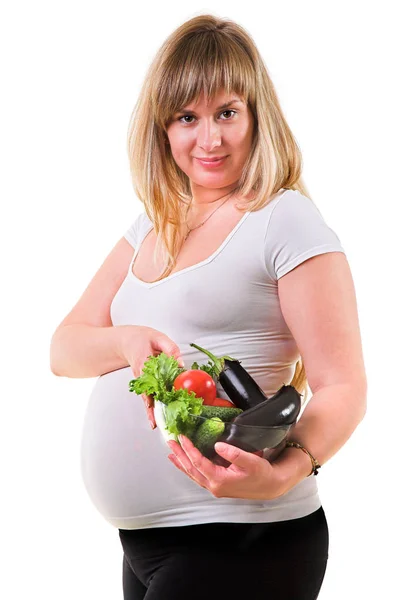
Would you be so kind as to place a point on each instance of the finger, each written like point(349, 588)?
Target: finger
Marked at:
point(179, 466)
point(239, 458)
point(207, 468)
point(151, 417)
point(187, 464)
point(147, 400)
point(149, 405)
point(176, 462)
point(192, 460)
point(164, 344)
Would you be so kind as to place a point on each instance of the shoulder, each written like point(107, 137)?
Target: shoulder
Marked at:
point(294, 214)
point(296, 230)
point(288, 202)
point(138, 228)
point(292, 202)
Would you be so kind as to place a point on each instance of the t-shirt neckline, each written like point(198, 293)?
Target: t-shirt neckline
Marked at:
point(202, 263)
point(206, 261)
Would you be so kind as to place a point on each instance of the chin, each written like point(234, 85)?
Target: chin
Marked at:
point(213, 179)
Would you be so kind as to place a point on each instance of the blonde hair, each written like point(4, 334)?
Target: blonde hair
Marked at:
point(207, 54)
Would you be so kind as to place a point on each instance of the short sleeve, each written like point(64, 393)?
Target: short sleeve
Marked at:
point(296, 231)
point(134, 232)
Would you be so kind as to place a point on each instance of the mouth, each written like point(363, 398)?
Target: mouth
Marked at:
point(211, 162)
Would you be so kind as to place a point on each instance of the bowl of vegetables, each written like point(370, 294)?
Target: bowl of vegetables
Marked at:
point(186, 403)
point(217, 424)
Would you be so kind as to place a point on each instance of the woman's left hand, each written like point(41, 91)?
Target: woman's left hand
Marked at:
point(248, 477)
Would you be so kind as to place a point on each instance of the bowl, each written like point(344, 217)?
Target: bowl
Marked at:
point(269, 440)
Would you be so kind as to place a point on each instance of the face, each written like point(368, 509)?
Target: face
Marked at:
point(223, 128)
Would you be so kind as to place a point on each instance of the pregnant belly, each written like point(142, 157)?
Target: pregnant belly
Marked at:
point(124, 463)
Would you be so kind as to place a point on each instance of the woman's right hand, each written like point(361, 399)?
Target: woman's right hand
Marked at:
point(139, 343)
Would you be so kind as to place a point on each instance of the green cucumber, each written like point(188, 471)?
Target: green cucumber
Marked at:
point(207, 434)
point(226, 414)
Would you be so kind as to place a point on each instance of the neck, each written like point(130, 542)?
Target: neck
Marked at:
point(205, 196)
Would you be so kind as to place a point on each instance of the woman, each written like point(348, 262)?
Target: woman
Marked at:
point(229, 253)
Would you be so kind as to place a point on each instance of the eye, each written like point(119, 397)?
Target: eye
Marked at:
point(192, 117)
point(228, 111)
point(185, 117)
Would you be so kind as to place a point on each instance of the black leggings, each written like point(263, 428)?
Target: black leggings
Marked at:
point(285, 560)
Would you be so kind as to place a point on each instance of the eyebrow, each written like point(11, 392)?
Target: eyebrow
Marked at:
point(229, 103)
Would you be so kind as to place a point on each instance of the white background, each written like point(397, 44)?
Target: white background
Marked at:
point(70, 74)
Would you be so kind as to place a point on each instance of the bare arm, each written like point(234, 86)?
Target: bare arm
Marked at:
point(328, 421)
point(81, 350)
point(86, 344)
point(319, 305)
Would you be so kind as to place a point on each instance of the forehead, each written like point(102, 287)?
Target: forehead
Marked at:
point(220, 101)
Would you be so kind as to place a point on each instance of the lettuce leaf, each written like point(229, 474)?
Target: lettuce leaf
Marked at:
point(180, 412)
point(157, 378)
point(158, 375)
point(209, 368)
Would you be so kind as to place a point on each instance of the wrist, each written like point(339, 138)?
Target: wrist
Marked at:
point(123, 340)
point(293, 466)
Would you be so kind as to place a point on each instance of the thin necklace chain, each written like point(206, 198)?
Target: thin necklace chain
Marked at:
point(189, 230)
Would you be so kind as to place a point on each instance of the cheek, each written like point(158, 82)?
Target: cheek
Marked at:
point(243, 134)
point(180, 148)
point(236, 138)
point(244, 142)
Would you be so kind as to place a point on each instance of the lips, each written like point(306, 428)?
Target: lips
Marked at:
point(210, 159)
point(215, 161)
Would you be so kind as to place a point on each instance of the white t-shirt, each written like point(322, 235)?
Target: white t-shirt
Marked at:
point(229, 304)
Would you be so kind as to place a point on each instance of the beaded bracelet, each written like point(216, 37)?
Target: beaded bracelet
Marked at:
point(314, 462)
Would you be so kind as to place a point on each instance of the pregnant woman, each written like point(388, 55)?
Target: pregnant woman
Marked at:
point(229, 252)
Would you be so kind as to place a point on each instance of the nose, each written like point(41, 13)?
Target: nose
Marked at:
point(209, 135)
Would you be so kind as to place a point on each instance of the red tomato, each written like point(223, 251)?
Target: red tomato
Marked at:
point(223, 402)
point(199, 382)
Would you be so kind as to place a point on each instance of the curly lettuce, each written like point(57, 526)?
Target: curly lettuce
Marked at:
point(157, 378)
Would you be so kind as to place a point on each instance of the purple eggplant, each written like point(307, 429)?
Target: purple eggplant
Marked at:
point(282, 408)
point(263, 426)
point(239, 385)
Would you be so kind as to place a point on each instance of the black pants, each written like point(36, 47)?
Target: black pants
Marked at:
point(285, 560)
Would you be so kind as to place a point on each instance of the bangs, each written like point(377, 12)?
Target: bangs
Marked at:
point(202, 63)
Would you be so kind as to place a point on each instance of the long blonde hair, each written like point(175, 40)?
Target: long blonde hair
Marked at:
point(207, 54)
